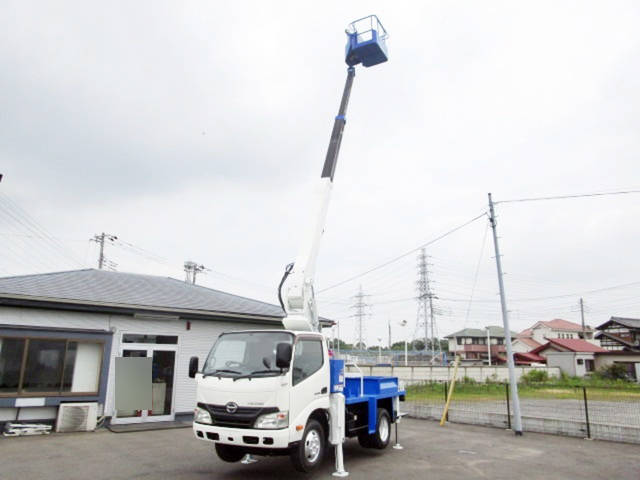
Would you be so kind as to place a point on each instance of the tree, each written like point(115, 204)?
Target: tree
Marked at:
point(343, 345)
point(418, 345)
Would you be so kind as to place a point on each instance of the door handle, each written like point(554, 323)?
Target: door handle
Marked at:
point(321, 392)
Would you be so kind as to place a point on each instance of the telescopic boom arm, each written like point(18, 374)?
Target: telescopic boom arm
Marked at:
point(299, 298)
point(366, 45)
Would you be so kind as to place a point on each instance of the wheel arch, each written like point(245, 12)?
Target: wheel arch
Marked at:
point(387, 404)
point(321, 416)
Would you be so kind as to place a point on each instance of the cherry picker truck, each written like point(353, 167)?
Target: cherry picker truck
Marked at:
point(279, 392)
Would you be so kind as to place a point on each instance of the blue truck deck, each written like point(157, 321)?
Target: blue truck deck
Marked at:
point(365, 389)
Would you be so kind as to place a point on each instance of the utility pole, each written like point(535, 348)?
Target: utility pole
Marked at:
point(389, 325)
point(360, 307)
point(100, 238)
point(584, 329)
point(515, 399)
point(191, 269)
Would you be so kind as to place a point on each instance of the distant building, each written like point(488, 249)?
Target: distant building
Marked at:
point(473, 344)
point(542, 331)
point(574, 356)
point(620, 334)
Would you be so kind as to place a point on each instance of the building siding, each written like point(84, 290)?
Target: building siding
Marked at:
point(194, 342)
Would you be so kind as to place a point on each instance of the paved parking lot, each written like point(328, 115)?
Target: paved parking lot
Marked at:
point(431, 452)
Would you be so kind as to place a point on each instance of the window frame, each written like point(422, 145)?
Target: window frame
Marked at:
point(20, 393)
point(302, 339)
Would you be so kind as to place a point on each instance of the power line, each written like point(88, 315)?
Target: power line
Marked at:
point(562, 197)
point(21, 217)
point(440, 237)
point(475, 279)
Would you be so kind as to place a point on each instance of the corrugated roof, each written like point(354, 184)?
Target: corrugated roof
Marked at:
point(131, 289)
point(533, 357)
point(571, 344)
point(494, 331)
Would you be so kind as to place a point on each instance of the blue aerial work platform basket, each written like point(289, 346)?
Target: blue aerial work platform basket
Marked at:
point(366, 42)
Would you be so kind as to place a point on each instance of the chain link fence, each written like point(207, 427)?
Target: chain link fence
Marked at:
point(604, 413)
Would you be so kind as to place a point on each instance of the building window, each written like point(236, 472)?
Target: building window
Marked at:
point(459, 340)
point(49, 366)
point(579, 361)
point(11, 354)
point(589, 365)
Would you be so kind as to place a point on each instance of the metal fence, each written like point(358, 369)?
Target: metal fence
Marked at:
point(604, 413)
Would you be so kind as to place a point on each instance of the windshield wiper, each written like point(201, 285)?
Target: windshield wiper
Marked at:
point(219, 370)
point(257, 372)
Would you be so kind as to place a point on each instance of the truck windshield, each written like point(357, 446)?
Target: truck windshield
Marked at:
point(245, 353)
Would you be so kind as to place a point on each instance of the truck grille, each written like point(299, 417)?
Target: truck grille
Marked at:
point(243, 417)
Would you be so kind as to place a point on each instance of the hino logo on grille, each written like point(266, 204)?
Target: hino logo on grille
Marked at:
point(231, 407)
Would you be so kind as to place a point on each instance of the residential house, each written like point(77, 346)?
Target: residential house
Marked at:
point(574, 356)
point(474, 344)
point(537, 335)
point(620, 334)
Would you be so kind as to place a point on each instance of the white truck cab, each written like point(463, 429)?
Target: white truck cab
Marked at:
point(249, 400)
point(278, 392)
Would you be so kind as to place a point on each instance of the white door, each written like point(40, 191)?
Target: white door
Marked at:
point(162, 384)
point(309, 378)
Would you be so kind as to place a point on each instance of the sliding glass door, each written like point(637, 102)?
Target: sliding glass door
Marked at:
point(162, 383)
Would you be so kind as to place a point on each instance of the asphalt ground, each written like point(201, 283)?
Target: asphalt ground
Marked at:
point(430, 452)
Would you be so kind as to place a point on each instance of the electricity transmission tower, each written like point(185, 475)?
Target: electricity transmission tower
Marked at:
point(426, 312)
point(192, 269)
point(100, 239)
point(360, 305)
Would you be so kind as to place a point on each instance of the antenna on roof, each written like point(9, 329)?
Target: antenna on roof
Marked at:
point(191, 269)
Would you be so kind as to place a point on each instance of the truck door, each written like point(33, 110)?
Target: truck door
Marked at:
point(309, 379)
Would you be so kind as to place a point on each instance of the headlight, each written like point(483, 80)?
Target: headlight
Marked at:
point(272, 420)
point(201, 416)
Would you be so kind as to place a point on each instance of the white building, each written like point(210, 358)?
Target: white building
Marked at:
point(60, 334)
point(574, 356)
point(542, 331)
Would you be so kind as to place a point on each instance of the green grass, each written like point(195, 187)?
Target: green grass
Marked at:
point(567, 389)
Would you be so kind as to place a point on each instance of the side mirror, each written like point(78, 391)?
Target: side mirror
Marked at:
point(283, 355)
point(193, 367)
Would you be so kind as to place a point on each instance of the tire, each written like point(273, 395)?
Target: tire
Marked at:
point(379, 439)
point(309, 453)
point(229, 453)
point(364, 439)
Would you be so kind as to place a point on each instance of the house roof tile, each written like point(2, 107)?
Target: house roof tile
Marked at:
point(133, 290)
point(571, 344)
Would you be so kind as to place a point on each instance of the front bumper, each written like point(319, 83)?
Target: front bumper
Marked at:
point(245, 437)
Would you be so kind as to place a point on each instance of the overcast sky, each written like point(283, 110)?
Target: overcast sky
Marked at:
point(195, 130)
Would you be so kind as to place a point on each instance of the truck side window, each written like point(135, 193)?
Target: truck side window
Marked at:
point(307, 359)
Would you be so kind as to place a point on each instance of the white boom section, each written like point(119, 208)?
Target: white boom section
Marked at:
point(299, 297)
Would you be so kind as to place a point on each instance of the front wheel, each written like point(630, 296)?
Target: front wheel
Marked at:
point(229, 453)
point(310, 451)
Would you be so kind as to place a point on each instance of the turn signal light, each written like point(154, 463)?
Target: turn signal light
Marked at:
point(299, 427)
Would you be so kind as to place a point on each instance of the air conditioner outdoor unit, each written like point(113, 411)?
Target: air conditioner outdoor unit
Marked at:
point(77, 417)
